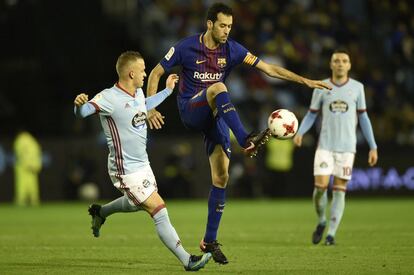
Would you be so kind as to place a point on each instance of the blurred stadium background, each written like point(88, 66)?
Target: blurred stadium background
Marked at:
point(53, 50)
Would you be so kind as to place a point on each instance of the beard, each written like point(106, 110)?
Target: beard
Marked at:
point(217, 39)
point(341, 74)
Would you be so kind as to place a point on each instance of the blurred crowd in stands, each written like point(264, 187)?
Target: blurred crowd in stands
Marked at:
point(301, 35)
point(53, 50)
point(60, 54)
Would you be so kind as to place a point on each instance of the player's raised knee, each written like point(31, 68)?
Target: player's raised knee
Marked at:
point(221, 179)
point(217, 88)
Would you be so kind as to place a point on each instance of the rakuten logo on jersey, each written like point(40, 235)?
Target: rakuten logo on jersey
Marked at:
point(205, 77)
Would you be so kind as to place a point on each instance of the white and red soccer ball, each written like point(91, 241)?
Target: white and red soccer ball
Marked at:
point(283, 124)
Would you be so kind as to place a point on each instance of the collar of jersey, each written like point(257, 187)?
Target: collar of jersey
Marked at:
point(331, 80)
point(123, 90)
point(202, 42)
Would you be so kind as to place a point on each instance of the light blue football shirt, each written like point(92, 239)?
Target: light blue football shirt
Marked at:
point(339, 109)
point(123, 119)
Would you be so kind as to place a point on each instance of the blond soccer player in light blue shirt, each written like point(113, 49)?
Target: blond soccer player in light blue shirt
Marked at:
point(122, 110)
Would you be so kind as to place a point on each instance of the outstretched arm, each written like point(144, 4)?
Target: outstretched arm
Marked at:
point(155, 119)
point(368, 133)
point(155, 100)
point(282, 73)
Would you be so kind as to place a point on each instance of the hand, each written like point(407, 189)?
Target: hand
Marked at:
point(317, 84)
point(298, 140)
point(171, 81)
point(80, 100)
point(372, 157)
point(155, 119)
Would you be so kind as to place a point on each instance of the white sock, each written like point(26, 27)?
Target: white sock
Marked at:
point(337, 210)
point(320, 200)
point(120, 204)
point(169, 236)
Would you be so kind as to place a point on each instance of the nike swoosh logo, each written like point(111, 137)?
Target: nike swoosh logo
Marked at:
point(224, 105)
point(200, 61)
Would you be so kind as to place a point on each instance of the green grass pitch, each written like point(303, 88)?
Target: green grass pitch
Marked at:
point(259, 237)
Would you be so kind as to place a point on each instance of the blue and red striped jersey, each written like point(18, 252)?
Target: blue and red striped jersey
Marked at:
point(201, 66)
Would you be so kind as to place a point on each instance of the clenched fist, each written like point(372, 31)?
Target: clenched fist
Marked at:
point(80, 100)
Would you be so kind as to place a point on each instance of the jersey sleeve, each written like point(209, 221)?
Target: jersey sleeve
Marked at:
point(85, 110)
point(361, 104)
point(155, 100)
point(102, 103)
point(240, 55)
point(172, 58)
point(316, 101)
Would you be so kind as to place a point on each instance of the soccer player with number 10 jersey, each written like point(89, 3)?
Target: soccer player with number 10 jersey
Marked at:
point(340, 108)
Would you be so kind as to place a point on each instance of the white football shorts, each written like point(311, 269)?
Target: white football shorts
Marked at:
point(137, 186)
point(339, 164)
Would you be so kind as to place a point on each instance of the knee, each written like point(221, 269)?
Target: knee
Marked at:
point(321, 181)
point(321, 185)
point(339, 187)
point(339, 184)
point(221, 179)
point(217, 88)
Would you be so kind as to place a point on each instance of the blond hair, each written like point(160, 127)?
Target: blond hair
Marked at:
point(125, 59)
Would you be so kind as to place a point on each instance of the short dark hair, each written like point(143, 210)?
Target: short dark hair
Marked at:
point(215, 9)
point(341, 50)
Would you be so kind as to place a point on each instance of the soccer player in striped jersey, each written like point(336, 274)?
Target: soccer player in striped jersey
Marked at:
point(340, 108)
point(122, 110)
point(204, 103)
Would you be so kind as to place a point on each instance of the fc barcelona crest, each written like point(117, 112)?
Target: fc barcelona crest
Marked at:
point(221, 62)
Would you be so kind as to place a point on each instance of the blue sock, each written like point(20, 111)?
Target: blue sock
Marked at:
point(216, 203)
point(226, 110)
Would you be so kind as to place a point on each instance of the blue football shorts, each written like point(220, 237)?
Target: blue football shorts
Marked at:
point(197, 115)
